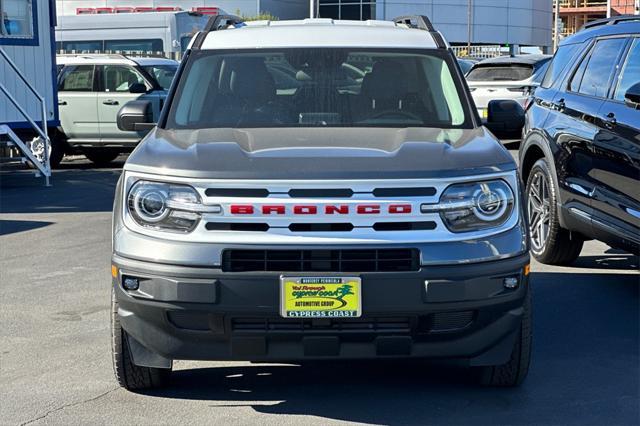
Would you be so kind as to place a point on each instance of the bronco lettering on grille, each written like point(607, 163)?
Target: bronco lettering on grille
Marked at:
point(329, 209)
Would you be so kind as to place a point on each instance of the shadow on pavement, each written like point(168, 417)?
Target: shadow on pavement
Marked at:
point(584, 371)
point(72, 190)
point(14, 226)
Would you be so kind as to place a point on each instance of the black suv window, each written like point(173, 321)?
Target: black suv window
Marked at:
point(630, 72)
point(559, 63)
point(593, 75)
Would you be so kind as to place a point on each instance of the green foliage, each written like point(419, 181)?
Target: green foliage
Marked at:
point(262, 16)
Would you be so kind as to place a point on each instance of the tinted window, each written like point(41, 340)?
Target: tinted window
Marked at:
point(630, 71)
point(119, 78)
point(495, 72)
point(599, 67)
point(150, 45)
point(82, 46)
point(76, 78)
point(317, 87)
point(559, 63)
point(162, 74)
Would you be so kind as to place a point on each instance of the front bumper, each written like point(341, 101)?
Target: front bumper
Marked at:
point(464, 313)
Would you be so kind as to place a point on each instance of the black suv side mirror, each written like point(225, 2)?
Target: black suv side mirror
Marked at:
point(632, 97)
point(505, 118)
point(137, 88)
point(135, 116)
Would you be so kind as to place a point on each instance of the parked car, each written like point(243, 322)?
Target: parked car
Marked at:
point(506, 77)
point(335, 218)
point(466, 64)
point(580, 157)
point(91, 91)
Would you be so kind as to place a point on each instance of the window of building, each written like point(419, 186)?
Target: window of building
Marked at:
point(17, 21)
point(357, 10)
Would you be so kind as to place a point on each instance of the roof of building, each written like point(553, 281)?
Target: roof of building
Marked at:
point(319, 33)
point(102, 58)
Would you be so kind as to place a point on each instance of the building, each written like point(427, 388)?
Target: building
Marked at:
point(575, 13)
point(501, 22)
point(284, 9)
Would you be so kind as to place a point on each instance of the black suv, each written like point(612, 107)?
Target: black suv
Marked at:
point(580, 156)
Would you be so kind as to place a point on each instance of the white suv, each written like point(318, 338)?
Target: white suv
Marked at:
point(91, 91)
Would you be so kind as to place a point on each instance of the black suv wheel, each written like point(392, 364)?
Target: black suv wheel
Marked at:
point(550, 243)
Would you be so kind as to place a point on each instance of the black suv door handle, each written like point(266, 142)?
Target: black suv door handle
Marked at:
point(610, 121)
point(110, 102)
point(62, 102)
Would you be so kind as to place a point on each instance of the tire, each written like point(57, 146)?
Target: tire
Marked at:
point(128, 375)
point(56, 153)
point(515, 371)
point(101, 156)
point(550, 243)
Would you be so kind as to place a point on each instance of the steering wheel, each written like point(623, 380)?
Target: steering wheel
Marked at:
point(391, 113)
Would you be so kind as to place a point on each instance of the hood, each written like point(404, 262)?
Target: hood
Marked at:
point(320, 153)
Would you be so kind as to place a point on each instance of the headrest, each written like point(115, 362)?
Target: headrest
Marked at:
point(250, 80)
point(387, 80)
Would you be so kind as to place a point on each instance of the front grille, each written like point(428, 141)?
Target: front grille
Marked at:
point(369, 260)
point(282, 325)
point(451, 321)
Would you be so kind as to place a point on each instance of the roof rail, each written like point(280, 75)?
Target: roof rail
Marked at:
point(610, 21)
point(216, 23)
point(422, 22)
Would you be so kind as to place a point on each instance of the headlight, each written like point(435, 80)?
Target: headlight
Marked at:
point(474, 206)
point(163, 206)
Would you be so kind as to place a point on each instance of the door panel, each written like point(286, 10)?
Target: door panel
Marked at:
point(617, 150)
point(77, 103)
point(574, 120)
point(116, 82)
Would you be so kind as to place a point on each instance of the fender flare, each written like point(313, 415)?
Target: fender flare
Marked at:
point(540, 140)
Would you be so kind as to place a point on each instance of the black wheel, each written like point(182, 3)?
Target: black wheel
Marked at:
point(56, 150)
point(129, 375)
point(515, 371)
point(101, 156)
point(550, 243)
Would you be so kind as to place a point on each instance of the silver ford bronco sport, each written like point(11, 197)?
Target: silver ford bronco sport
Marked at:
point(319, 190)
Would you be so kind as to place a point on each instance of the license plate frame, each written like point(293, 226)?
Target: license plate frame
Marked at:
point(321, 294)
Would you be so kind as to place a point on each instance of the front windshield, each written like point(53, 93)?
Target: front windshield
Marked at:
point(163, 74)
point(317, 87)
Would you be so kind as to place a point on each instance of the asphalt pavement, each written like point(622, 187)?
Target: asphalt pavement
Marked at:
point(55, 365)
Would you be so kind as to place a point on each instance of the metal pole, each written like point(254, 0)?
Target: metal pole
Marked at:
point(556, 17)
point(312, 9)
point(608, 8)
point(469, 27)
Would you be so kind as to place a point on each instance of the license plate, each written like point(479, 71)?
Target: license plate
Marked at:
point(320, 297)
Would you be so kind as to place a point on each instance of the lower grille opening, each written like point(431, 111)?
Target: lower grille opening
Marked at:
point(370, 260)
point(321, 227)
point(286, 325)
point(404, 226)
point(232, 226)
point(450, 321)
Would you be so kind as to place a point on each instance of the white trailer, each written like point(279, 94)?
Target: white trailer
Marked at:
point(167, 32)
point(28, 93)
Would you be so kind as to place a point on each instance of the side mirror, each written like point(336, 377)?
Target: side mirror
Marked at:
point(632, 96)
point(137, 88)
point(135, 116)
point(505, 118)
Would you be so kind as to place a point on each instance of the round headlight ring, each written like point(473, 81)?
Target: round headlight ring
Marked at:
point(490, 205)
point(150, 205)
